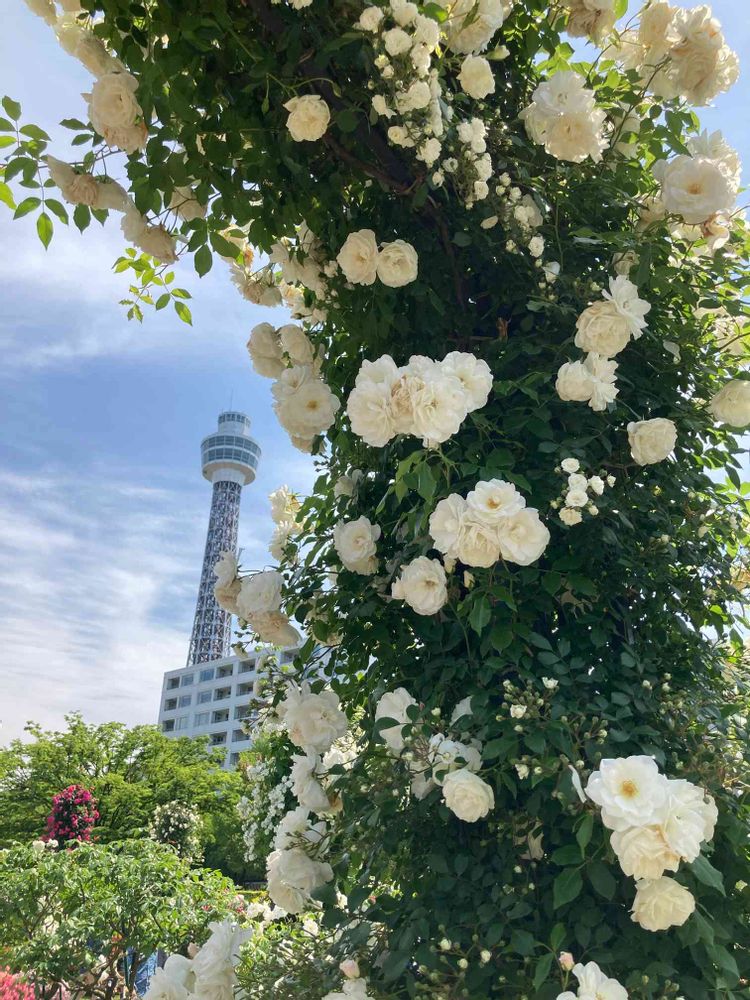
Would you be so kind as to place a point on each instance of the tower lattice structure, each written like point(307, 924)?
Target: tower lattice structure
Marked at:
point(230, 460)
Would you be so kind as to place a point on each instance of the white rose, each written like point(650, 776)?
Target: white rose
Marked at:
point(701, 63)
point(570, 517)
point(260, 593)
point(422, 584)
point(523, 537)
point(445, 524)
point(305, 787)
point(225, 568)
point(688, 819)
point(393, 705)
point(495, 500)
point(476, 77)
point(446, 755)
point(370, 18)
point(226, 595)
point(629, 790)
point(396, 42)
point(731, 405)
point(593, 19)
point(694, 188)
point(264, 349)
point(592, 983)
point(274, 627)
point(651, 440)
point(358, 257)
point(643, 852)
point(602, 329)
point(313, 721)
point(112, 102)
point(397, 264)
point(292, 876)
point(44, 9)
point(309, 410)
point(467, 796)
point(427, 403)
point(284, 505)
point(308, 119)
point(473, 373)
point(296, 344)
point(186, 205)
point(661, 903)
point(463, 708)
point(369, 411)
point(478, 543)
point(570, 465)
point(355, 544)
point(574, 382)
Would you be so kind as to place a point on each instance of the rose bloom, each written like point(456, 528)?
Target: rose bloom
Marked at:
point(274, 627)
point(602, 329)
point(592, 983)
point(445, 524)
point(476, 77)
point(576, 136)
point(695, 188)
point(355, 544)
point(574, 382)
point(688, 818)
point(112, 102)
point(314, 721)
point(523, 537)
point(467, 795)
point(478, 543)
point(473, 373)
point(292, 876)
point(393, 705)
point(369, 411)
point(495, 500)
point(593, 19)
point(651, 441)
point(397, 264)
point(643, 852)
point(264, 349)
point(661, 903)
point(731, 405)
point(629, 790)
point(422, 584)
point(358, 257)
point(260, 593)
point(309, 410)
point(308, 119)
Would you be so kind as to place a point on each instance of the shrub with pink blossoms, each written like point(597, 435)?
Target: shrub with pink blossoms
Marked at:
point(73, 815)
point(13, 988)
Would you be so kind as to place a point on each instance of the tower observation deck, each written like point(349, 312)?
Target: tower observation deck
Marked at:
point(229, 459)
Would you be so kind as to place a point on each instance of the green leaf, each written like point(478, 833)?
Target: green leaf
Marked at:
point(602, 879)
point(184, 313)
point(203, 261)
point(44, 229)
point(57, 209)
point(81, 216)
point(347, 120)
point(705, 872)
point(542, 970)
point(6, 195)
point(584, 831)
point(567, 887)
point(7, 140)
point(12, 108)
point(26, 206)
point(6, 126)
point(34, 132)
point(480, 614)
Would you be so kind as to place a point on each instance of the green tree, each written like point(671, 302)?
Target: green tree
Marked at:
point(72, 917)
point(130, 772)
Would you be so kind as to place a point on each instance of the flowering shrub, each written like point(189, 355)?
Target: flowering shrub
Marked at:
point(73, 815)
point(70, 918)
point(501, 261)
point(12, 987)
point(267, 796)
point(180, 826)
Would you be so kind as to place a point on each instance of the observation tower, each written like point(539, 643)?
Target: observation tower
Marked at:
point(229, 458)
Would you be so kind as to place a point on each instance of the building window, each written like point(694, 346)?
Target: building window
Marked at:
point(238, 736)
point(242, 711)
point(217, 739)
point(221, 693)
point(220, 716)
point(234, 759)
point(245, 688)
point(201, 718)
point(181, 723)
point(186, 680)
point(170, 704)
point(204, 696)
point(207, 674)
point(247, 666)
point(172, 683)
point(226, 671)
point(185, 700)
point(168, 726)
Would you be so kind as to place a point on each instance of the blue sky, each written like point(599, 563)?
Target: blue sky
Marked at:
point(102, 506)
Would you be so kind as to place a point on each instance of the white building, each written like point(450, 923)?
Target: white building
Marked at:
point(213, 699)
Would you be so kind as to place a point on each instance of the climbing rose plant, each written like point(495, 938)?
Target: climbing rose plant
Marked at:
point(515, 272)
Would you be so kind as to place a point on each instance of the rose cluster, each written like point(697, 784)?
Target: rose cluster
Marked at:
point(209, 973)
point(593, 984)
point(73, 817)
point(395, 264)
point(256, 599)
point(424, 398)
point(563, 117)
point(284, 508)
point(440, 761)
point(580, 492)
point(656, 823)
point(491, 523)
point(303, 403)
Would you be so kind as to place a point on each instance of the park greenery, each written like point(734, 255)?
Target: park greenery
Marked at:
point(522, 768)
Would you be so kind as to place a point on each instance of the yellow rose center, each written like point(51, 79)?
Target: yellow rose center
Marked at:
point(629, 789)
